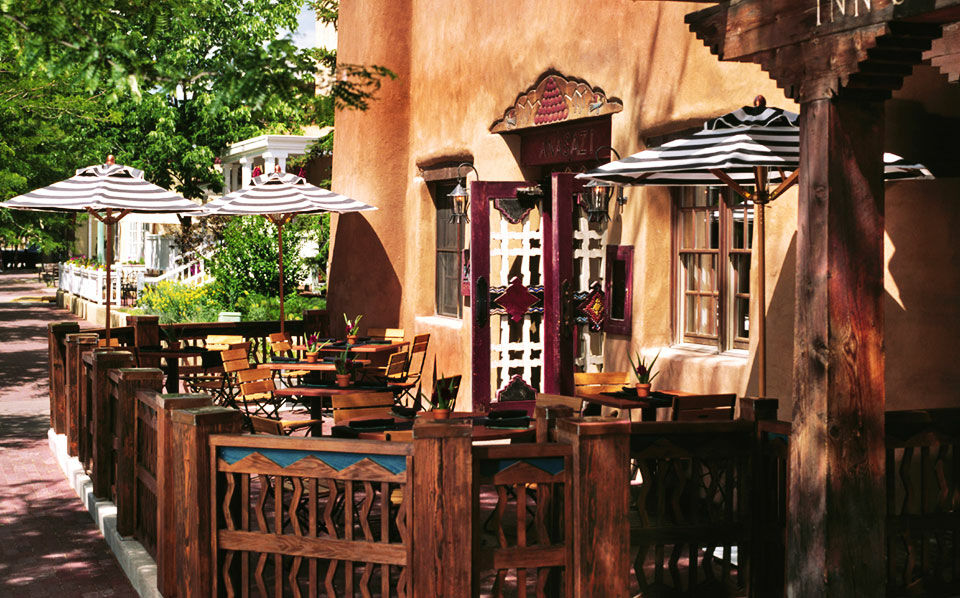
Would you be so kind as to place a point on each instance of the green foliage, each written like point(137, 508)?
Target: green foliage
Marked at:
point(175, 302)
point(255, 307)
point(246, 259)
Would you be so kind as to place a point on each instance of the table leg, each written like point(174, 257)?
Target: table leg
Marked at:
point(173, 375)
point(316, 412)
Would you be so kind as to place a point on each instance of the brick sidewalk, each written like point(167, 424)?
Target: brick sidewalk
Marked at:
point(49, 545)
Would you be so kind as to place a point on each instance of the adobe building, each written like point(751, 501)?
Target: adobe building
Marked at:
point(522, 90)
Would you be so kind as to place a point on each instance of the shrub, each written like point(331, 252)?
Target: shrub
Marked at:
point(175, 302)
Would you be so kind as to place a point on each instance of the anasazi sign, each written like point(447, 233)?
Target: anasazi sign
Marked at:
point(575, 142)
point(829, 11)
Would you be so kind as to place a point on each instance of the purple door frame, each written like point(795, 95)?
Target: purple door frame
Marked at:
point(557, 233)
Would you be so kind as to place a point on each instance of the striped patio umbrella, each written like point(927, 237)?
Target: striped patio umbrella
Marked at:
point(279, 197)
point(108, 192)
point(754, 146)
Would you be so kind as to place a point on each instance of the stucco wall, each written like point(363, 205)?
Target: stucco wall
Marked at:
point(461, 66)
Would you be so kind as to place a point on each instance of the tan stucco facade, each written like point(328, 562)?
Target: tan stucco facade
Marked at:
point(460, 66)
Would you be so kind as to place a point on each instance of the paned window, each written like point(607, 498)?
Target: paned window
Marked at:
point(448, 252)
point(714, 240)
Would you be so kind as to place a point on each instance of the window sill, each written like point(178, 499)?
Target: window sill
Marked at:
point(690, 349)
point(448, 322)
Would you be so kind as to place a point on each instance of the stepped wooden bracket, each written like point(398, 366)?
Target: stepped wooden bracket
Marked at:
point(816, 49)
point(555, 99)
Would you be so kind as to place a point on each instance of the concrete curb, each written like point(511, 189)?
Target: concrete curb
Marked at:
point(134, 559)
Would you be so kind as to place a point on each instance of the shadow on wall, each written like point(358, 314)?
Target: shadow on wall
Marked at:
point(780, 321)
point(922, 305)
point(362, 278)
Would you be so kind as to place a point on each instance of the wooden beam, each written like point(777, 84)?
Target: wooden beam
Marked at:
point(837, 501)
point(741, 30)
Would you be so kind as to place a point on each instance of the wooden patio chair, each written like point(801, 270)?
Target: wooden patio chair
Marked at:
point(385, 334)
point(417, 349)
point(220, 342)
point(587, 384)
point(551, 400)
point(716, 407)
point(361, 404)
point(281, 343)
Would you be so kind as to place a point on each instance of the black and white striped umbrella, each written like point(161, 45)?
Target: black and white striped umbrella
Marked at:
point(282, 193)
point(108, 191)
point(734, 144)
point(749, 147)
point(279, 196)
point(103, 187)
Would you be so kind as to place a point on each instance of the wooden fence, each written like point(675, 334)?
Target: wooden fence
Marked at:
point(594, 508)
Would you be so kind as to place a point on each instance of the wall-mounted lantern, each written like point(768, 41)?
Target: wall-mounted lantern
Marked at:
point(596, 196)
point(460, 196)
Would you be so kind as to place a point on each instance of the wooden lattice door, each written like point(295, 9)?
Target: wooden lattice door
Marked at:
point(520, 268)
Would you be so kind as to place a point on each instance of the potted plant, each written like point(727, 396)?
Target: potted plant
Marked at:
point(644, 373)
point(444, 397)
point(313, 348)
point(342, 364)
point(353, 327)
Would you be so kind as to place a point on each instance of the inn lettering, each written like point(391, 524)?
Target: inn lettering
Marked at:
point(829, 11)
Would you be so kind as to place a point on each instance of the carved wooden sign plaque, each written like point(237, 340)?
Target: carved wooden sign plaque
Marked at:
point(555, 99)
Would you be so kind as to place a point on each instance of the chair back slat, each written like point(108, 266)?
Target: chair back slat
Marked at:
point(264, 425)
point(220, 342)
point(257, 387)
point(594, 378)
point(385, 334)
point(551, 400)
point(361, 404)
point(396, 365)
point(716, 407)
point(253, 374)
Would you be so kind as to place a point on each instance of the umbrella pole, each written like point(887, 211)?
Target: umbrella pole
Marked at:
point(109, 223)
point(761, 198)
point(279, 223)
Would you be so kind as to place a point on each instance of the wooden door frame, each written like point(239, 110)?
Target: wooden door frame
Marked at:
point(557, 222)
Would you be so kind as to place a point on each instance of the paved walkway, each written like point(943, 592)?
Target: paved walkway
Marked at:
point(49, 545)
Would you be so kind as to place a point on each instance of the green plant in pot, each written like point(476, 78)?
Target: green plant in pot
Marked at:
point(444, 396)
point(644, 373)
point(314, 344)
point(343, 367)
point(353, 328)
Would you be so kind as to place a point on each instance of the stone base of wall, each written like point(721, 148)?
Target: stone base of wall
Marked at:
point(90, 311)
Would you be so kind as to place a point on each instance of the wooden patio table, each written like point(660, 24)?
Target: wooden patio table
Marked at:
point(621, 400)
point(360, 347)
point(319, 366)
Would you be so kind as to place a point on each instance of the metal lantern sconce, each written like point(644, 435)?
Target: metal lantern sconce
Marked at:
point(597, 195)
point(460, 196)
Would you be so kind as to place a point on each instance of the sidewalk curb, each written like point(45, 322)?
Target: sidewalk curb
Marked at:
point(136, 562)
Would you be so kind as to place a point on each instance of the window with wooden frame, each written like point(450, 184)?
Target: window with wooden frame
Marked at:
point(713, 239)
point(449, 245)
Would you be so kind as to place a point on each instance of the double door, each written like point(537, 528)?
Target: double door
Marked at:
point(531, 255)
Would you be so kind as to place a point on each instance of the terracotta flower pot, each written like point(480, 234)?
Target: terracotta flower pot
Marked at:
point(311, 356)
point(643, 390)
point(351, 339)
point(343, 380)
point(440, 413)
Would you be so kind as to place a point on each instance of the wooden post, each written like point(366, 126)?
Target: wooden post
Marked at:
point(56, 335)
point(558, 277)
point(192, 492)
point(837, 501)
point(168, 562)
point(442, 509)
point(315, 321)
point(601, 495)
point(77, 345)
point(545, 420)
point(146, 333)
point(128, 382)
point(756, 408)
point(102, 418)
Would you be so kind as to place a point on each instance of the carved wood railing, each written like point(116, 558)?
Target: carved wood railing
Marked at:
point(301, 515)
point(923, 502)
point(690, 517)
point(522, 526)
